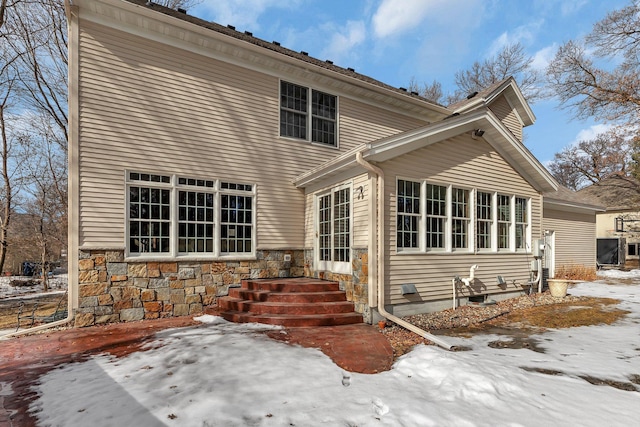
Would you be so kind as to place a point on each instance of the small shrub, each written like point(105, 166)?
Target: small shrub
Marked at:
point(576, 272)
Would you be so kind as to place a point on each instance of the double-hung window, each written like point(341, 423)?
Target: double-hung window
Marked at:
point(461, 218)
point(436, 213)
point(504, 221)
point(445, 218)
point(484, 217)
point(308, 114)
point(522, 222)
point(408, 214)
point(175, 216)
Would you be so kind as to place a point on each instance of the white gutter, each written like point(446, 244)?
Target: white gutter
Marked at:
point(380, 258)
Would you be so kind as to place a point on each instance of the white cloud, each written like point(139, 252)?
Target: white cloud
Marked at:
point(591, 132)
point(394, 17)
point(542, 57)
point(524, 34)
point(344, 39)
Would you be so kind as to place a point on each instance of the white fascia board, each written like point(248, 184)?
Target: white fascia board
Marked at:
point(515, 152)
point(394, 146)
point(327, 169)
point(571, 207)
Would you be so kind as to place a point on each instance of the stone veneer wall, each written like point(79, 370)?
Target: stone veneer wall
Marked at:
point(356, 284)
point(114, 290)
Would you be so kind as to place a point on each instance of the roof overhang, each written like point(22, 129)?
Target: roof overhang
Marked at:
point(495, 134)
point(567, 206)
point(509, 88)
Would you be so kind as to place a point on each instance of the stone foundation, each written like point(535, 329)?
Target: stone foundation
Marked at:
point(356, 284)
point(114, 290)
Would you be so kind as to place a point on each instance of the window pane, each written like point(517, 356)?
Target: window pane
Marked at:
point(149, 219)
point(436, 215)
point(408, 214)
point(195, 221)
point(323, 112)
point(293, 110)
point(236, 211)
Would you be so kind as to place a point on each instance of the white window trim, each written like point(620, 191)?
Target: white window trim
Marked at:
point(338, 267)
point(174, 188)
point(309, 115)
point(471, 231)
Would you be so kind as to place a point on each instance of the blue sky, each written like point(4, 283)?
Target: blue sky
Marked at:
point(397, 40)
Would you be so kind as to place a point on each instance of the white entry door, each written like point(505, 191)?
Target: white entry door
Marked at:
point(333, 230)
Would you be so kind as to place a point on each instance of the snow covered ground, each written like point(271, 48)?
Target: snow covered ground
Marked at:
point(56, 283)
point(224, 374)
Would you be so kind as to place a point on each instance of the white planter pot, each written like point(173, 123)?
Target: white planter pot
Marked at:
point(558, 287)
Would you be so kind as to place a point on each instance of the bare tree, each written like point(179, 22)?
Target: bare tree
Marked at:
point(578, 76)
point(433, 92)
point(511, 61)
point(39, 38)
point(7, 189)
point(175, 4)
point(591, 161)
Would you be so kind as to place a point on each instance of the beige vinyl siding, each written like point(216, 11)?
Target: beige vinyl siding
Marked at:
point(503, 110)
point(464, 163)
point(575, 237)
point(149, 107)
point(359, 212)
point(362, 123)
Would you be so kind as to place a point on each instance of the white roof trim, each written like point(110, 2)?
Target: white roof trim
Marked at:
point(514, 96)
point(503, 141)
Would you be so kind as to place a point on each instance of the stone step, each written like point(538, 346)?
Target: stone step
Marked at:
point(291, 297)
point(291, 285)
point(294, 320)
point(305, 308)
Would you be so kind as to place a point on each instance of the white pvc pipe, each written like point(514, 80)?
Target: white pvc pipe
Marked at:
point(380, 259)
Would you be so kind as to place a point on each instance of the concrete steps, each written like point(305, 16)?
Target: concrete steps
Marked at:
point(294, 302)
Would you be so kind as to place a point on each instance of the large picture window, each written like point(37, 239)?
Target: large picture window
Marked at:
point(301, 112)
point(178, 216)
point(433, 217)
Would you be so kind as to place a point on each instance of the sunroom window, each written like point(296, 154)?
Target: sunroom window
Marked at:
point(177, 216)
point(442, 218)
point(301, 112)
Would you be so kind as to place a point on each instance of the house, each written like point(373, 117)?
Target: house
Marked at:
point(201, 156)
point(617, 227)
point(569, 227)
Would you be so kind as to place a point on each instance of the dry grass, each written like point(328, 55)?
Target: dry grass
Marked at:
point(522, 314)
point(576, 272)
point(589, 311)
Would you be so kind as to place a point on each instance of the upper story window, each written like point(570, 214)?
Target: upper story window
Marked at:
point(441, 218)
point(308, 114)
point(177, 216)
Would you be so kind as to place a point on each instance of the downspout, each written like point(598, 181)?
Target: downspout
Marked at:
point(380, 258)
point(71, 11)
